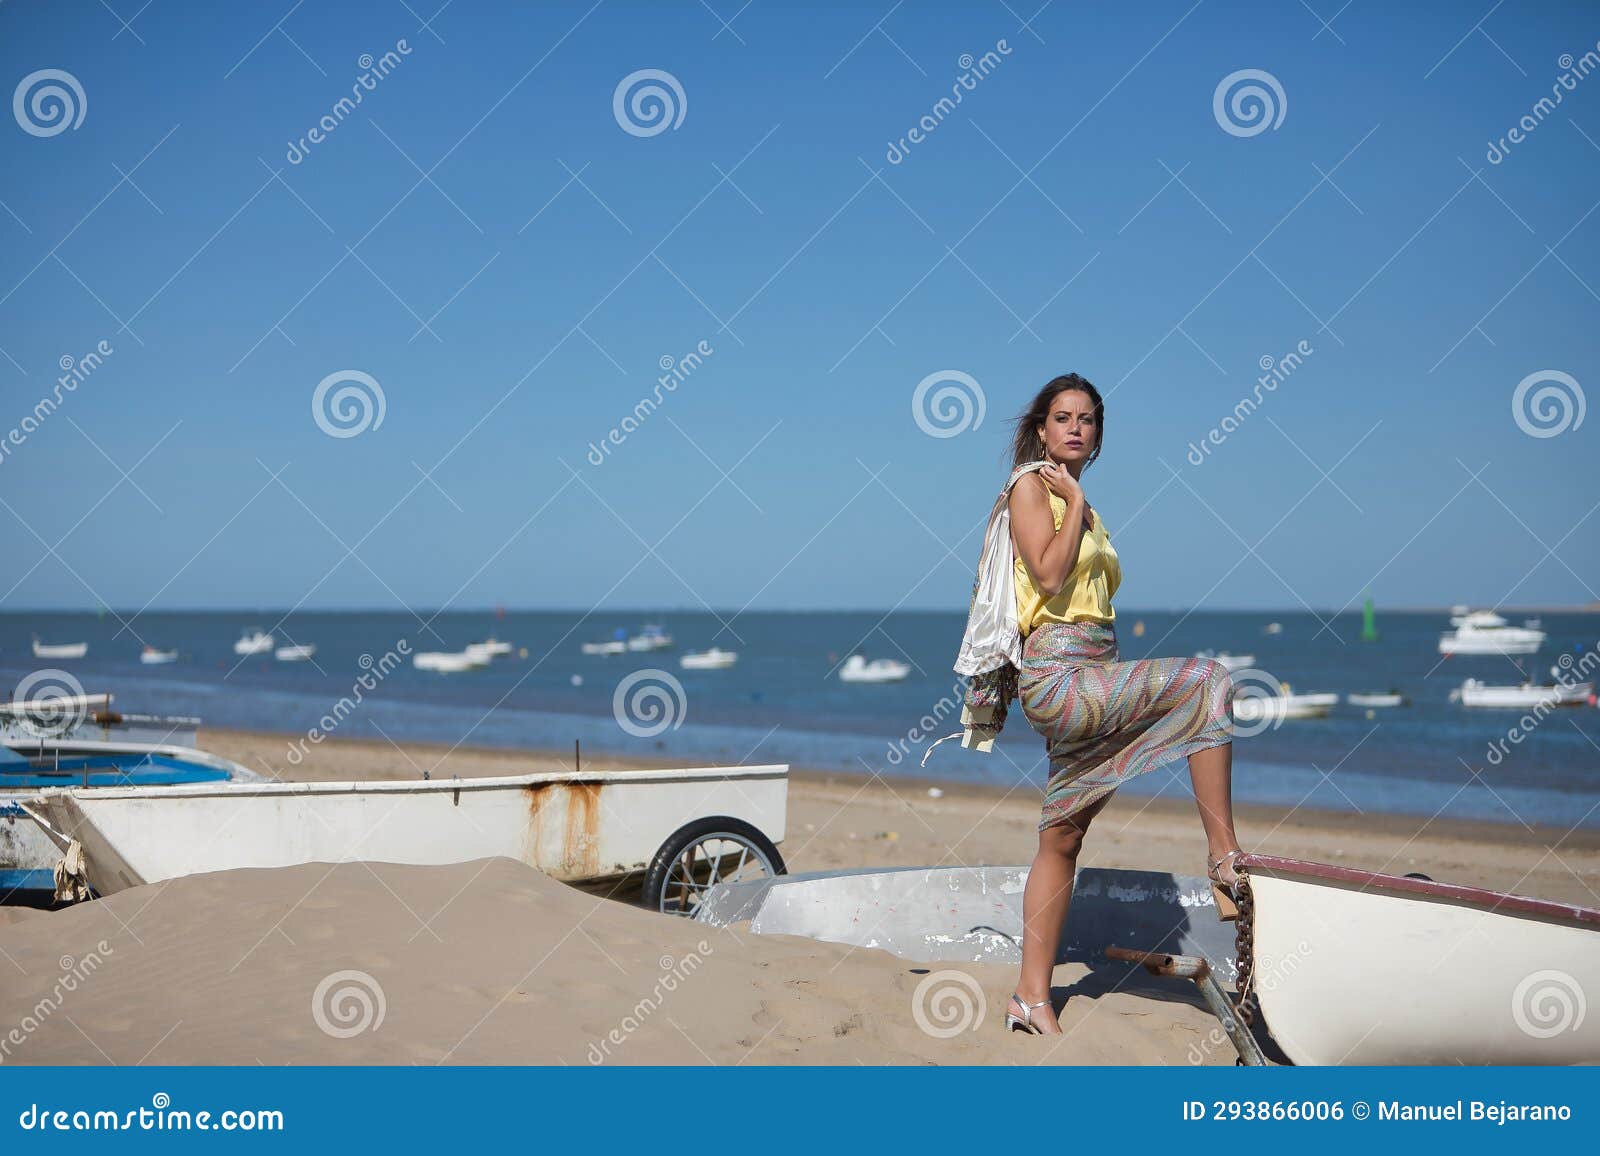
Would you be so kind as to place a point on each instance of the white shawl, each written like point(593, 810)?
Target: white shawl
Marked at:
point(992, 637)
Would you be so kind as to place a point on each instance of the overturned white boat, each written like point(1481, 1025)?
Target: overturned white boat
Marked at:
point(1358, 967)
point(1528, 695)
point(59, 650)
point(1485, 632)
point(858, 669)
point(686, 829)
point(713, 659)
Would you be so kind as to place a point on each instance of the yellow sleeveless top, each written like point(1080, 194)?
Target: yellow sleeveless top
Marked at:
point(1086, 596)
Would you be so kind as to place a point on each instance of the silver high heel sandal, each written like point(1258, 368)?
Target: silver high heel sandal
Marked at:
point(1025, 1022)
point(1224, 894)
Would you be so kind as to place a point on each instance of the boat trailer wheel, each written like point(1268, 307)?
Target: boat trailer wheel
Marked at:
point(699, 855)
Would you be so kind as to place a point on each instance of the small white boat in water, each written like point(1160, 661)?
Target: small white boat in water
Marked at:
point(650, 637)
point(1376, 698)
point(685, 828)
point(151, 656)
point(254, 641)
point(1272, 628)
point(448, 661)
point(858, 669)
point(1485, 632)
point(1474, 693)
point(615, 646)
point(296, 653)
point(1357, 967)
point(57, 651)
point(713, 659)
point(490, 647)
point(1256, 708)
point(1229, 662)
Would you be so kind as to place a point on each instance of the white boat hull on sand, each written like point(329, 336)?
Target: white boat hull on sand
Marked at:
point(586, 826)
point(1355, 967)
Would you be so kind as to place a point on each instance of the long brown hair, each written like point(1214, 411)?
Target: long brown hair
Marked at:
point(1025, 445)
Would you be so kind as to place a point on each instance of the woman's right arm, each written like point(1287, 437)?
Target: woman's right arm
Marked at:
point(1049, 555)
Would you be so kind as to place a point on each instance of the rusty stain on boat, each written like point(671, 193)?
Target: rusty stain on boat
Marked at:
point(579, 854)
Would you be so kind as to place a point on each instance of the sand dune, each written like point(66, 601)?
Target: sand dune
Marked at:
point(492, 962)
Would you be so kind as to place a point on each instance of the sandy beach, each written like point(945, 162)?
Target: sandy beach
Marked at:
point(492, 962)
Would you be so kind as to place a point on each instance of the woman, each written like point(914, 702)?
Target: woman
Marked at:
point(1103, 721)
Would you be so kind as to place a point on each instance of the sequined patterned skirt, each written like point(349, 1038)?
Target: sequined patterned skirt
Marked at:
point(1105, 721)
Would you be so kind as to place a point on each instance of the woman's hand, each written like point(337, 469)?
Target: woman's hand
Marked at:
point(1060, 481)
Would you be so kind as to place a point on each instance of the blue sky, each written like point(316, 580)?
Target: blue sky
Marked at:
point(1082, 209)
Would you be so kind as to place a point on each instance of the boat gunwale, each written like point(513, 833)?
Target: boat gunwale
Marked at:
point(1494, 901)
point(269, 788)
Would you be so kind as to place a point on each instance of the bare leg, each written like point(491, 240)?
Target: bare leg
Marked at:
point(1211, 772)
point(1045, 900)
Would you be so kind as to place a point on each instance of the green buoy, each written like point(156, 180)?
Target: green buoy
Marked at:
point(1369, 625)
